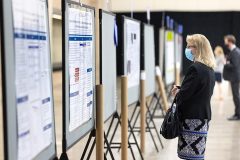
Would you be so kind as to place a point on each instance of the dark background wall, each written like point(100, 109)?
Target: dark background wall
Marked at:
point(214, 25)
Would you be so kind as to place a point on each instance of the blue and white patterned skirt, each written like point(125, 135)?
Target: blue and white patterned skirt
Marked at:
point(192, 139)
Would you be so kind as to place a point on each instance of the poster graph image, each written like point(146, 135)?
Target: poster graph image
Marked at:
point(33, 85)
point(80, 49)
point(133, 52)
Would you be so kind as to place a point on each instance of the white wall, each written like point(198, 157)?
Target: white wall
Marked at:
point(176, 5)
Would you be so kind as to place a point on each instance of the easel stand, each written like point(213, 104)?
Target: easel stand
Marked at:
point(125, 125)
point(162, 88)
point(149, 120)
point(142, 112)
point(157, 106)
point(151, 115)
point(124, 118)
point(117, 145)
point(91, 137)
point(99, 137)
point(162, 94)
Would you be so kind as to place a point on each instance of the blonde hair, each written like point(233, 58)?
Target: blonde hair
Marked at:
point(218, 51)
point(204, 53)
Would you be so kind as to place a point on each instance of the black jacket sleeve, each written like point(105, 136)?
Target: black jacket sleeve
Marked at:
point(233, 58)
point(189, 85)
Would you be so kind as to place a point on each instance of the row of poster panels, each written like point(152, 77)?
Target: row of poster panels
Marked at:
point(29, 127)
point(170, 54)
point(29, 124)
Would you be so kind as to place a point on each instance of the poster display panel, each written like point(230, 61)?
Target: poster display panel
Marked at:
point(27, 81)
point(169, 58)
point(108, 63)
point(78, 71)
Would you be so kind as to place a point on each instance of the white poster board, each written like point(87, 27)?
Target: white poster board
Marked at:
point(178, 50)
point(133, 52)
point(80, 66)
point(108, 61)
point(161, 48)
point(169, 58)
point(27, 79)
point(33, 85)
point(149, 58)
point(78, 72)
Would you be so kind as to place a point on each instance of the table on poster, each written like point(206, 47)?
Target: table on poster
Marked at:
point(32, 89)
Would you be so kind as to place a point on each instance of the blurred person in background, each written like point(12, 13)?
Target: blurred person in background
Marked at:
point(193, 98)
point(220, 61)
point(233, 65)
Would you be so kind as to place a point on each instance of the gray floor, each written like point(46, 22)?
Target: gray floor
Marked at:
point(223, 140)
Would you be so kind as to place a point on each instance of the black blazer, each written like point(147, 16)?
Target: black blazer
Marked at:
point(234, 66)
point(193, 99)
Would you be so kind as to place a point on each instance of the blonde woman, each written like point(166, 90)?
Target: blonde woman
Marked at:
point(220, 61)
point(194, 96)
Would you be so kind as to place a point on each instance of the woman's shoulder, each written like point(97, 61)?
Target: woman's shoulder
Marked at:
point(199, 68)
point(193, 69)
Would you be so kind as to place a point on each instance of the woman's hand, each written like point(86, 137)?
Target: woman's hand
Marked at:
point(175, 90)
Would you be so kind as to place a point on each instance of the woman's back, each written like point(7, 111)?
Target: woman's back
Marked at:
point(196, 92)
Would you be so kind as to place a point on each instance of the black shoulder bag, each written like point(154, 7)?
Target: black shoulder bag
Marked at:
point(171, 125)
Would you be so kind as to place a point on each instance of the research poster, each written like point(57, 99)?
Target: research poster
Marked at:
point(133, 52)
point(32, 77)
point(178, 50)
point(80, 49)
point(169, 57)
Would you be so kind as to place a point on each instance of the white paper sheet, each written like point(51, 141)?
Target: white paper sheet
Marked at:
point(80, 66)
point(33, 82)
point(169, 57)
point(133, 52)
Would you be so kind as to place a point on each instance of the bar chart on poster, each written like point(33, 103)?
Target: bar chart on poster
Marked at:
point(132, 57)
point(108, 75)
point(79, 71)
point(169, 58)
point(29, 114)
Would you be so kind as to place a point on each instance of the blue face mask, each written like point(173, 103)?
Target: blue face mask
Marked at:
point(188, 54)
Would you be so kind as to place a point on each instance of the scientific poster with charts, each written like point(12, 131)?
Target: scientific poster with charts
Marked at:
point(169, 58)
point(80, 66)
point(32, 77)
point(133, 52)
